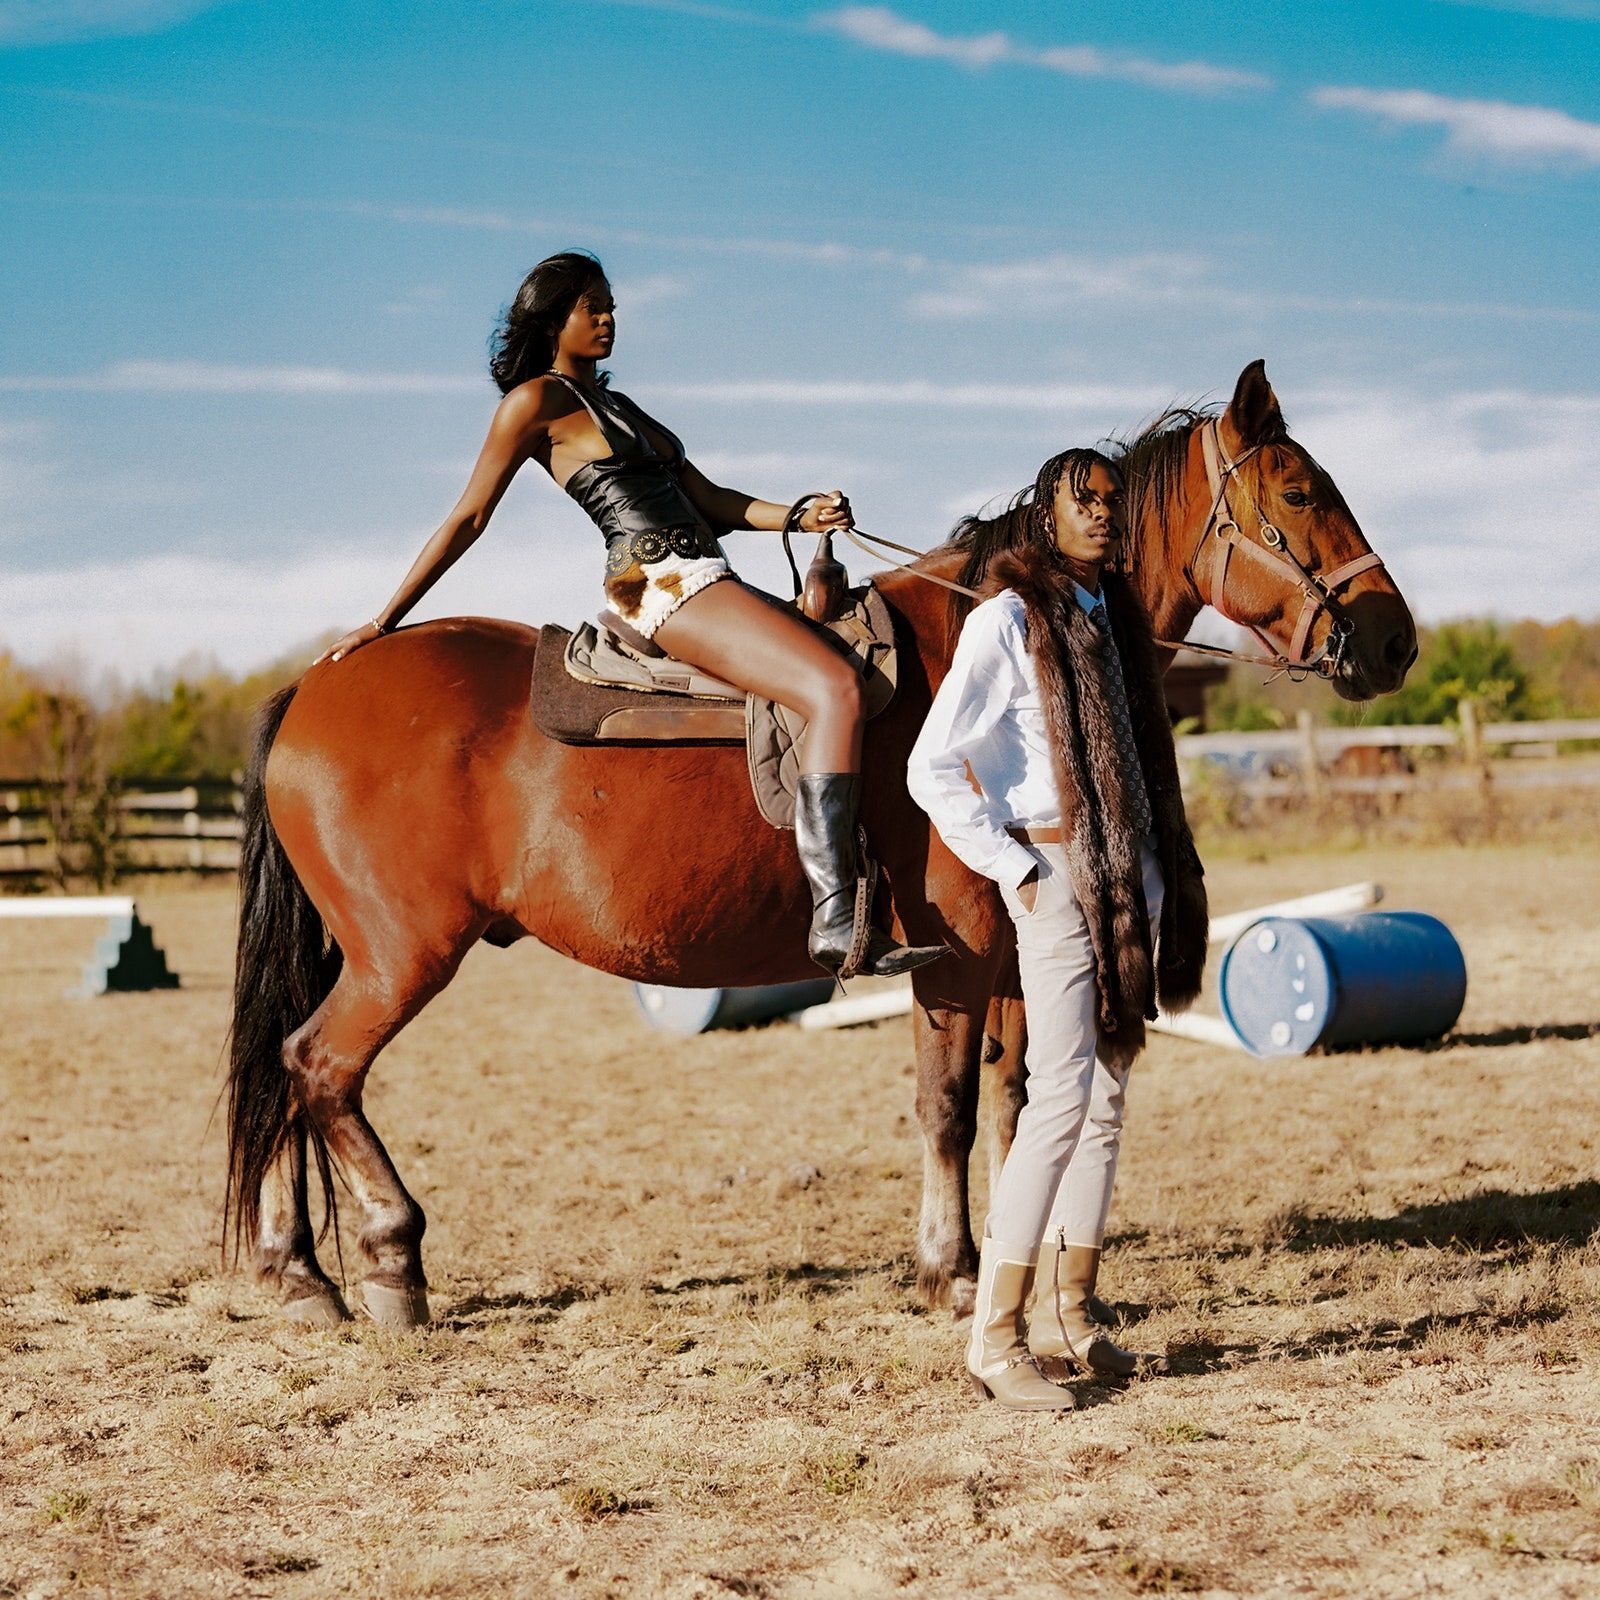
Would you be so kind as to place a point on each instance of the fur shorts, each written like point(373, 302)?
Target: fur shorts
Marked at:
point(645, 593)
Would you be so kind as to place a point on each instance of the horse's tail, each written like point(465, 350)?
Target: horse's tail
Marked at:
point(284, 967)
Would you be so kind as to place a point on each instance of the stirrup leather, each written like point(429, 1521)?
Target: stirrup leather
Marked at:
point(866, 890)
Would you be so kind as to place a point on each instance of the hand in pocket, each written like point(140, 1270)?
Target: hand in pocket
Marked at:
point(1028, 890)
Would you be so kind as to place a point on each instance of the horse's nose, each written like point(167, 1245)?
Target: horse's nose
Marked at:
point(1399, 651)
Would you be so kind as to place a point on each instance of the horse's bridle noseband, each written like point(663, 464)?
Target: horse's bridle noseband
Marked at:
point(1319, 590)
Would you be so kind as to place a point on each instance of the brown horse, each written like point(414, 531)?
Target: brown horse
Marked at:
point(401, 806)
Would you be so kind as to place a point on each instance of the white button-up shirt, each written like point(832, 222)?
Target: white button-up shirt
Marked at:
point(987, 716)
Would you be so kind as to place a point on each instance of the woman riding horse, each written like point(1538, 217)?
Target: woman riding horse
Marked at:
point(664, 567)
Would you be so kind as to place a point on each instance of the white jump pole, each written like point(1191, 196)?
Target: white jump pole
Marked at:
point(104, 905)
point(882, 1003)
point(126, 957)
point(1329, 903)
point(855, 1009)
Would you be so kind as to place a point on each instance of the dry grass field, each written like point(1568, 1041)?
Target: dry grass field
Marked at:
point(677, 1352)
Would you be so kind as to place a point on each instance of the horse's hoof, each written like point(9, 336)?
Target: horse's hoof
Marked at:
point(963, 1298)
point(317, 1310)
point(394, 1308)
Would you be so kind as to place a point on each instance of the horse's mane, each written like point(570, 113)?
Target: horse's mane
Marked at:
point(1153, 462)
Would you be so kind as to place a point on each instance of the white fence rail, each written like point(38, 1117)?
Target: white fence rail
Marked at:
point(1286, 762)
point(1330, 743)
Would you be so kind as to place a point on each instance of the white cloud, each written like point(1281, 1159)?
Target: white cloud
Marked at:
point(417, 301)
point(913, 393)
point(879, 28)
point(823, 252)
point(1063, 281)
point(1059, 280)
point(776, 468)
point(1536, 136)
point(1568, 10)
point(634, 294)
point(138, 617)
point(1480, 501)
point(200, 377)
point(30, 22)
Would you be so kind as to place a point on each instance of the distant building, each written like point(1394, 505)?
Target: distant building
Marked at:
point(1188, 678)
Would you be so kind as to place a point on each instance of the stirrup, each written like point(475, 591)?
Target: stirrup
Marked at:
point(873, 952)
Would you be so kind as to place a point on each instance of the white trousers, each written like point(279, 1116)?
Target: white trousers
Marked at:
point(1059, 1173)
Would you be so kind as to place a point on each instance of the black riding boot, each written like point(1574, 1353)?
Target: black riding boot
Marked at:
point(825, 830)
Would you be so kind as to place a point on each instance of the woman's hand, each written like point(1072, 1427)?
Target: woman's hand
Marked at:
point(340, 648)
point(831, 511)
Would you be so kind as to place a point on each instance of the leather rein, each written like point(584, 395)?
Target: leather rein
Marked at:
point(1320, 590)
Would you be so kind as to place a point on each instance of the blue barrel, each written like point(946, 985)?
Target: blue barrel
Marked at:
point(1377, 977)
point(691, 1011)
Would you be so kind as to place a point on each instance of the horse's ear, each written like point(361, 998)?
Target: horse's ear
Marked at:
point(1254, 413)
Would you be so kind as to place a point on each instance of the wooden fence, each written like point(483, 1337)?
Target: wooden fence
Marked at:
point(145, 825)
point(192, 824)
point(1308, 760)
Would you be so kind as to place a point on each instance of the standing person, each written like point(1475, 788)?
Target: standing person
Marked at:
point(1047, 764)
point(665, 570)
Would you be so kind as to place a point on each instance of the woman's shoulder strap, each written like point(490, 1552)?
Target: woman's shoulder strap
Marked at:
point(643, 417)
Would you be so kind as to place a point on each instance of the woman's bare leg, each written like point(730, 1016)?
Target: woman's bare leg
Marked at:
point(737, 636)
point(749, 642)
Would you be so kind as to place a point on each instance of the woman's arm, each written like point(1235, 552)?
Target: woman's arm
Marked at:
point(520, 422)
point(728, 508)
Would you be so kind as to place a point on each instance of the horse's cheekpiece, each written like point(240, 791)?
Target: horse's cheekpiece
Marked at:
point(1319, 589)
point(656, 544)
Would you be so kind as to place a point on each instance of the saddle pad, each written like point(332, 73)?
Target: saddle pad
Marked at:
point(596, 655)
point(576, 710)
point(865, 631)
point(573, 711)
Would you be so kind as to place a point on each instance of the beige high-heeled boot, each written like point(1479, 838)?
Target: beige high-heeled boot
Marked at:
point(998, 1361)
point(1064, 1327)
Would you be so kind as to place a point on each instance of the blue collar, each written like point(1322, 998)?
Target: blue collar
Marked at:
point(1086, 600)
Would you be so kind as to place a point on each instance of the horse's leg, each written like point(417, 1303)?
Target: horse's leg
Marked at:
point(948, 1024)
point(328, 1059)
point(1005, 1047)
point(286, 1251)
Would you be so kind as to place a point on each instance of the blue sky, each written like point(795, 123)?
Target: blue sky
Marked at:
point(252, 253)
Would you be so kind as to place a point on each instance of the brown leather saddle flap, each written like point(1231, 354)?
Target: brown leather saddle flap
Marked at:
point(573, 711)
point(579, 710)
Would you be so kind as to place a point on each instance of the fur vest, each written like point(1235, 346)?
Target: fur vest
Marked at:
point(1096, 815)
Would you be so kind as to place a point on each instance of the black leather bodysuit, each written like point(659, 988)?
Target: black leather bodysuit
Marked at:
point(633, 493)
point(660, 552)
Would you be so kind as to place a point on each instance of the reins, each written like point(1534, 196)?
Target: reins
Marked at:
point(1272, 548)
point(791, 524)
point(899, 566)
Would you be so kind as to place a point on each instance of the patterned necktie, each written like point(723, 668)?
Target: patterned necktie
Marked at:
point(1117, 702)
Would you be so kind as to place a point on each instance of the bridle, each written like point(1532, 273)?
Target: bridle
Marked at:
point(1319, 589)
point(1221, 525)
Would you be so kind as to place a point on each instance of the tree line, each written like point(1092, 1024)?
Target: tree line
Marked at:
point(1515, 672)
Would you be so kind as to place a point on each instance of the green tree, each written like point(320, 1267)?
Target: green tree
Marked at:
point(1473, 658)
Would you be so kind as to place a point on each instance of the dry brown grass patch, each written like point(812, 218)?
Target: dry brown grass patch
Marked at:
point(663, 1365)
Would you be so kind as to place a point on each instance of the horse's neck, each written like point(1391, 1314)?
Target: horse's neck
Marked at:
point(1165, 545)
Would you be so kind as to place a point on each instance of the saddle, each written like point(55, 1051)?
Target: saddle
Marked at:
point(603, 684)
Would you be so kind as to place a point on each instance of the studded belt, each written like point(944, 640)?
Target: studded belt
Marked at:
point(655, 544)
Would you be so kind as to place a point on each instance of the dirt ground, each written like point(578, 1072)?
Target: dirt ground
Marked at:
point(677, 1350)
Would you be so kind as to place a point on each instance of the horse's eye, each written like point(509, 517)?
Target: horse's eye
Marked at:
point(1295, 497)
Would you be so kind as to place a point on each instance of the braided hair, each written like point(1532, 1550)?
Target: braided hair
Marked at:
point(1029, 519)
